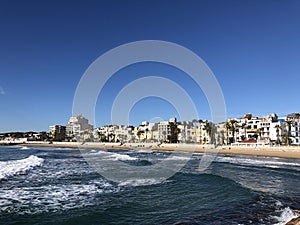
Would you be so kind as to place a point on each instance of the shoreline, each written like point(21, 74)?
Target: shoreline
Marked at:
point(278, 152)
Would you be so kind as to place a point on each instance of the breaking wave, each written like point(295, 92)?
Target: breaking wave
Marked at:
point(286, 215)
point(51, 198)
point(258, 162)
point(13, 167)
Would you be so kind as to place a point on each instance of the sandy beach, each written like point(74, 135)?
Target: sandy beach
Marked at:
point(281, 151)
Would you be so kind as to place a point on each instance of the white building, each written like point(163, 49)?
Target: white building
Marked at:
point(267, 129)
point(57, 132)
point(77, 125)
point(294, 120)
point(164, 131)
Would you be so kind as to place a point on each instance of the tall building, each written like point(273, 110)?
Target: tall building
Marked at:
point(293, 124)
point(163, 131)
point(168, 131)
point(76, 126)
point(57, 132)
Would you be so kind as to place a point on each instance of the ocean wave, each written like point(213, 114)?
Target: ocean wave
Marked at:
point(121, 157)
point(25, 148)
point(52, 198)
point(144, 151)
point(13, 167)
point(177, 158)
point(257, 162)
point(141, 182)
point(286, 215)
point(110, 156)
point(93, 151)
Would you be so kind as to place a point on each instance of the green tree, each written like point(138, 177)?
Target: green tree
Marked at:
point(211, 130)
point(139, 133)
point(164, 136)
point(44, 136)
point(174, 131)
point(244, 126)
point(277, 134)
point(231, 125)
point(111, 137)
point(287, 134)
point(102, 137)
point(147, 131)
point(200, 129)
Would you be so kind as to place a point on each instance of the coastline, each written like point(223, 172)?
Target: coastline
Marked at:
point(280, 152)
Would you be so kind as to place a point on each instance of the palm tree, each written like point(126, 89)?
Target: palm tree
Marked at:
point(164, 136)
point(221, 137)
point(227, 125)
point(173, 137)
point(288, 132)
point(244, 126)
point(184, 131)
point(139, 133)
point(277, 134)
point(195, 121)
point(232, 125)
point(111, 137)
point(211, 130)
point(297, 115)
point(147, 130)
point(261, 132)
point(200, 128)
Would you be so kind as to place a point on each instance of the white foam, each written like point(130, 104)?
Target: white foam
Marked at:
point(144, 151)
point(114, 156)
point(122, 157)
point(24, 148)
point(141, 182)
point(10, 168)
point(177, 158)
point(257, 162)
point(94, 151)
point(50, 198)
point(286, 215)
point(110, 156)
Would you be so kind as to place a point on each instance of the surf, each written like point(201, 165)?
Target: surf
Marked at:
point(14, 167)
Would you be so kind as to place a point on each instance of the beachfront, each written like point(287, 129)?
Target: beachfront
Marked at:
point(280, 151)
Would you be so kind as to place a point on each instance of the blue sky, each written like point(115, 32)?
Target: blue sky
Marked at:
point(252, 47)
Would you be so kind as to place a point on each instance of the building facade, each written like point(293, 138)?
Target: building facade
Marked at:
point(78, 127)
point(57, 132)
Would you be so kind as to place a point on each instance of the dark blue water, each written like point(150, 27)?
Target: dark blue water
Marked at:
point(45, 185)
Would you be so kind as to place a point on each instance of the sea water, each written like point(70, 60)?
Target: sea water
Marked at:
point(46, 185)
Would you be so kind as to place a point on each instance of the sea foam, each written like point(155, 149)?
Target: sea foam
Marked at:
point(286, 215)
point(13, 167)
point(257, 162)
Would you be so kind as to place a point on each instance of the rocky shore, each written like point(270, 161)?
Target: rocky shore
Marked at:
point(295, 221)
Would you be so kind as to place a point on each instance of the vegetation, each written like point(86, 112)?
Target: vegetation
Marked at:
point(174, 131)
point(231, 126)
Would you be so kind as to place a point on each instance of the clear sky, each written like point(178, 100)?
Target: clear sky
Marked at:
point(253, 48)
